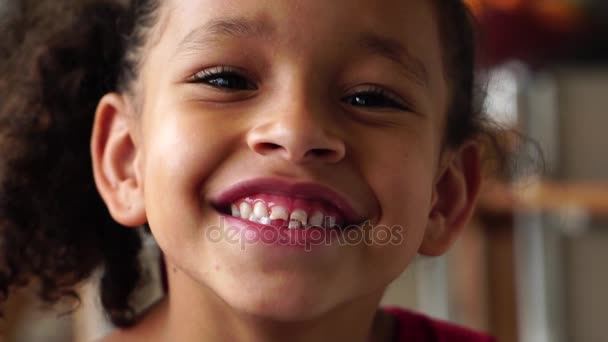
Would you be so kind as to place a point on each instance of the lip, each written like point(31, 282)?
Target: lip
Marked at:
point(300, 190)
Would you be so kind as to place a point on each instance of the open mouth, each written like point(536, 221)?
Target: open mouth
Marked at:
point(281, 211)
point(293, 206)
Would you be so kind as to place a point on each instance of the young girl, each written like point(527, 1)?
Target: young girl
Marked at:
point(290, 158)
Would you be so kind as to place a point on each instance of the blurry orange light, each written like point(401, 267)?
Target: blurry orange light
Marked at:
point(475, 5)
point(507, 5)
point(561, 13)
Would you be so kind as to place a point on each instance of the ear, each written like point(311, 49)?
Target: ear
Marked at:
point(115, 159)
point(454, 197)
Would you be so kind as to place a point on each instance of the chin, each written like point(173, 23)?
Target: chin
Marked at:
point(286, 301)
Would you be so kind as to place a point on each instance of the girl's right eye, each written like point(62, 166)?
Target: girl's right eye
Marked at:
point(223, 78)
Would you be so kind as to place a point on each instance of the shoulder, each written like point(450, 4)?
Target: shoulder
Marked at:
point(147, 328)
point(413, 326)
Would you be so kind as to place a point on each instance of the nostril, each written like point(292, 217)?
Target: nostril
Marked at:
point(321, 152)
point(267, 147)
point(298, 152)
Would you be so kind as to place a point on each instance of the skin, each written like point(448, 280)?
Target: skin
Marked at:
point(160, 155)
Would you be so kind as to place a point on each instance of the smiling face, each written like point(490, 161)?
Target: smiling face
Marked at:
point(346, 94)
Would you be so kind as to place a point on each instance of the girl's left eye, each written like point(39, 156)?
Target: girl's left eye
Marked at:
point(375, 98)
point(223, 78)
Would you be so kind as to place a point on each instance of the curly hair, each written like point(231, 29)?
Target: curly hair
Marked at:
point(54, 226)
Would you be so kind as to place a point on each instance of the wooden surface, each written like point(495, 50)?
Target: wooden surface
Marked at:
point(592, 198)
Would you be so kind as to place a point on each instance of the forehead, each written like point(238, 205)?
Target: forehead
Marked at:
point(297, 14)
point(411, 23)
point(402, 30)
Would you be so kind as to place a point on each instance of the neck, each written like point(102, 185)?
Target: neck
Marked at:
point(209, 318)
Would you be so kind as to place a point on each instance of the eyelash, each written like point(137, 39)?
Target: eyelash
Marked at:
point(387, 98)
point(211, 77)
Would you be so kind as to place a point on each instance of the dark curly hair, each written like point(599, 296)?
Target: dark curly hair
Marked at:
point(54, 226)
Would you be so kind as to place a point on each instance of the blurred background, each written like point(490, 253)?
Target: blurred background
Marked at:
point(531, 267)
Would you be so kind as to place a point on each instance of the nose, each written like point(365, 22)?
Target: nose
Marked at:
point(297, 135)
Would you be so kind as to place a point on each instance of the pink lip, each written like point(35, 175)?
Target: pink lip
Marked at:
point(301, 190)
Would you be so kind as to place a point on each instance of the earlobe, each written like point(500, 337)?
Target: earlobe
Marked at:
point(115, 157)
point(454, 198)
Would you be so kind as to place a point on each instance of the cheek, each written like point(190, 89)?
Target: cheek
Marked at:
point(182, 152)
point(401, 177)
point(404, 193)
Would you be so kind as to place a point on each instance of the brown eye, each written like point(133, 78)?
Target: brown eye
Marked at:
point(223, 78)
point(375, 98)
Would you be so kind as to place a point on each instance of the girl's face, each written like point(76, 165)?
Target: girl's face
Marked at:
point(346, 94)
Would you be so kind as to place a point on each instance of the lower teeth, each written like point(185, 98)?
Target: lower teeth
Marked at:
point(328, 222)
point(295, 224)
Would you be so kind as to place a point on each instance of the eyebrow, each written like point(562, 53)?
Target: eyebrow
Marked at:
point(220, 28)
point(398, 53)
point(243, 27)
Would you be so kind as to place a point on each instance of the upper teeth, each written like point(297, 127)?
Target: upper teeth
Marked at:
point(259, 210)
point(316, 219)
point(297, 219)
point(245, 210)
point(278, 213)
point(235, 211)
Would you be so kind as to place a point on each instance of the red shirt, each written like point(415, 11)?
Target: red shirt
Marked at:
point(415, 327)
